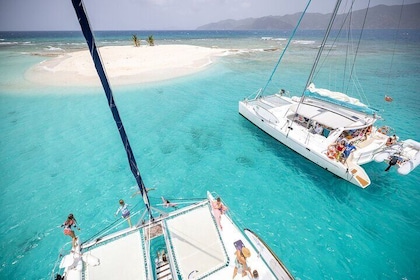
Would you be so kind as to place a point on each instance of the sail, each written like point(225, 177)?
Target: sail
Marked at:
point(90, 40)
point(338, 98)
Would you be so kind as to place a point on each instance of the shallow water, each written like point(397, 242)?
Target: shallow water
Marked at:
point(61, 153)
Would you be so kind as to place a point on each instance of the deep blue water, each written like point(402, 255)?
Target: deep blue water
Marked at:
point(61, 152)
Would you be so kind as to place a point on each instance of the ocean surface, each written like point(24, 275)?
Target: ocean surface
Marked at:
point(61, 152)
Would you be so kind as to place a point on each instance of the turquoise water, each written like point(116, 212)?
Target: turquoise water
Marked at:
point(61, 153)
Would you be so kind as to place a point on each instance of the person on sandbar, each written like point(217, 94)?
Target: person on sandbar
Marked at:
point(218, 210)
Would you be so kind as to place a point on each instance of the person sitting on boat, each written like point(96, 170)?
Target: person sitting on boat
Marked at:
point(240, 262)
point(383, 130)
point(391, 140)
point(125, 213)
point(347, 151)
point(395, 159)
point(218, 210)
point(340, 147)
point(318, 129)
point(255, 274)
point(70, 222)
point(368, 131)
point(331, 151)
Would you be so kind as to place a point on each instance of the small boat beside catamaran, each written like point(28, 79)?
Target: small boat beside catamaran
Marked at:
point(330, 128)
point(405, 155)
point(189, 242)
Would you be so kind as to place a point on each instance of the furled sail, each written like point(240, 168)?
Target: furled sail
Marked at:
point(90, 40)
point(338, 98)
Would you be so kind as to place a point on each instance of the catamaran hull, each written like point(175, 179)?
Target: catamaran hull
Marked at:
point(278, 129)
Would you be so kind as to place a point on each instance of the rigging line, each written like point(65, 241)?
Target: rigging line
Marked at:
point(90, 40)
point(101, 231)
point(349, 39)
point(321, 48)
point(192, 200)
point(358, 45)
point(113, 224)
point(334, 43)
point(393, 51)
point(315, 64)
point(285, 48)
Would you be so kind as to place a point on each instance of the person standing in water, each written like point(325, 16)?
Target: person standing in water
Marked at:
point(124, 211)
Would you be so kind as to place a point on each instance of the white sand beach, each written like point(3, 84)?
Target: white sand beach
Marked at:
point(124, 65)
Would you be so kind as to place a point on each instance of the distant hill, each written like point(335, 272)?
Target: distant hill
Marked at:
point(379, 17)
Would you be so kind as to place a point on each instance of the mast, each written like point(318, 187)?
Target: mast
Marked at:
point(321, 48)
point(90, 40)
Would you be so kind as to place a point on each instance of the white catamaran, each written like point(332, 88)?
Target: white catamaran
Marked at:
point(331, 129)
point(186, 243)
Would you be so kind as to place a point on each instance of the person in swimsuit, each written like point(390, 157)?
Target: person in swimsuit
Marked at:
point(240, 262)
point(218, 210)
point(167, 203)
point(347, 151)
point(124, 211)
point(340, 149)
point(70, 222)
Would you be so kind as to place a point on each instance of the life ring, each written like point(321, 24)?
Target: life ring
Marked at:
point(383, 130)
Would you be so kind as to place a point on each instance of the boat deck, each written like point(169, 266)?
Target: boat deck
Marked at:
point(197, 247)
point(119, 259)
point(269, 102)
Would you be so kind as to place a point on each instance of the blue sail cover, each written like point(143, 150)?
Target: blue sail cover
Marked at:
point(87, 32)
point(364, 109)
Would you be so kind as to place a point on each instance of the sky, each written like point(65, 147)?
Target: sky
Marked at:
point(52, 15)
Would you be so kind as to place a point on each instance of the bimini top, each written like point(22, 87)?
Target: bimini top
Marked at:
point(331, 116)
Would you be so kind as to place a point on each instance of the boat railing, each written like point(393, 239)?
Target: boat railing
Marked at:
point(62, 253)
point(265, 114)
point(99, 237)
point(145, 241)
point(255, 95)
point(268, 256)
point(172, 264)
point(258, 94)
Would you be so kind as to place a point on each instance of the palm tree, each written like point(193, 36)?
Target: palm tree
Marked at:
point(150, 40)
point(136, 40)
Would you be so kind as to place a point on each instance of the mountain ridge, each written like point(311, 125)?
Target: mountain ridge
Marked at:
point(378, 17)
